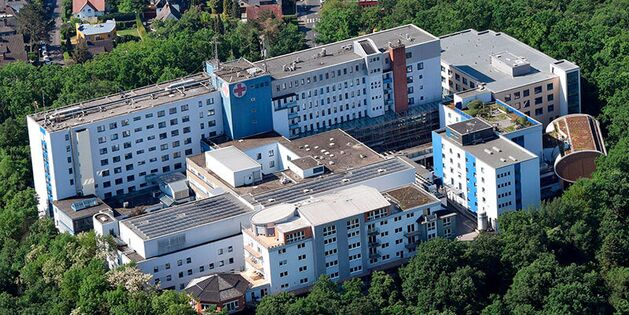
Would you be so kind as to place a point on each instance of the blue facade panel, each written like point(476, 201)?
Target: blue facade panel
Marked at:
point(247, 107)
point(437, 155)
point(470, 176)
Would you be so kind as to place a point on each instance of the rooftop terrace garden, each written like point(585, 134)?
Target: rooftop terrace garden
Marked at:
point(497, 115)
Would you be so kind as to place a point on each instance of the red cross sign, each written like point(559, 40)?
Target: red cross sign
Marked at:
point(240, 90)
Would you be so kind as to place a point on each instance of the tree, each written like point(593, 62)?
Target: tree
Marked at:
point(171, 303)
point(382, 291)
point(275, 304)
point(131, 6)
point(33, 23)
point(532, 283)
point(339, 20)
point(288, 40)
point(433, 258)
point(81, 54)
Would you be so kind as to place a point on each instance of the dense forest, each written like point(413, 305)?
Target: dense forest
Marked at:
point(567, 257)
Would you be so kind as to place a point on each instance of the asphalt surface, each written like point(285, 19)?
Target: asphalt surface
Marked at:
point(308, 16)
point(54, 44)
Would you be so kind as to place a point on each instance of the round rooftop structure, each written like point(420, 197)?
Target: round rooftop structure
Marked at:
point(273, 215)
point(580, 143)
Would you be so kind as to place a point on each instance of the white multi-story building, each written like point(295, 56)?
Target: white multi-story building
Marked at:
point(538, 85)
point(485, 172)
point(315, 89)
point(111, 145)
point(180, 243)
point(108, 146)
point(342, 234)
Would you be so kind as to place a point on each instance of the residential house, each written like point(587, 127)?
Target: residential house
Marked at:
point(98, 37)
point(85, 9)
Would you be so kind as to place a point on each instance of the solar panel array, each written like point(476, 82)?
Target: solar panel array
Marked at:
point(192, 214)
point(304, 190)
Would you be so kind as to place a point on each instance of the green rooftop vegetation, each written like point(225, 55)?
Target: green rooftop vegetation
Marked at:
point(497, 115)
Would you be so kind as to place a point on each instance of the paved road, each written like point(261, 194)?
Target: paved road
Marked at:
point(308, 16)
point(56, 54)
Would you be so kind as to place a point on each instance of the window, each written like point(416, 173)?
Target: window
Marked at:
point(549, 86)
point(539, 111)
point(353, 223)
point(538, 100)
point(538, 89)
point(329, 230)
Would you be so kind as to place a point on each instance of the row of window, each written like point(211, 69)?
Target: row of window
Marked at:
point(161, 113)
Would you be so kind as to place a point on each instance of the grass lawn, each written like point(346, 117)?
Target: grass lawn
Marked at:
point(129, 31)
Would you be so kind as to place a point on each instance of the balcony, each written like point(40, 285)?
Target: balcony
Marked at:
point(373, 231)
point(411, 234)
point(255, 264)
point(373, 243)
point(293, 115)
point(387, 80)
point(253, 252)
point(374, 255)
point(293, 125)
point(411, 246)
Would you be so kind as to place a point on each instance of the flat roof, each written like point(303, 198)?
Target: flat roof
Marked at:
point(335, 149)
point(296, 223)
point(237, 70)
point(271, 191)
point(347, 160)
point(581, 131)
point(100, 28)
point(341, 204)
point(233, 159)
point(179, 218)
point(497, 153)
point(409, 197)
point(503, 117)
point(338, 52)
point(252, 142)
point(317, 185)
point(470, 52)
point(469, 126)
point(305, 163)
point(274, 214)
point(124, 103)
point(65, 206)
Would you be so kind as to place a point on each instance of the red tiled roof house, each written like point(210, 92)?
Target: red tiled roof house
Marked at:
point(85, 9)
